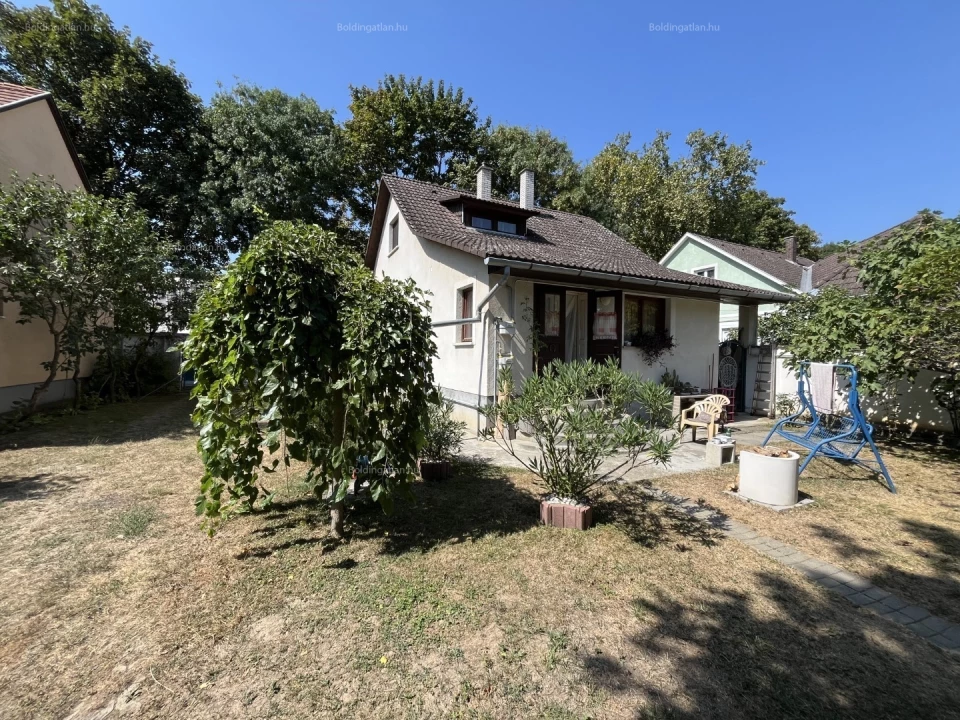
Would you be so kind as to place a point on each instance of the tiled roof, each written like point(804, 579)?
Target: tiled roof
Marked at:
point(837, 270)
point(773, 263)
point(553, 237)
point(10, 93)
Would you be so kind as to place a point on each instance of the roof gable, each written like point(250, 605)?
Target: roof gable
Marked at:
point(772, 265)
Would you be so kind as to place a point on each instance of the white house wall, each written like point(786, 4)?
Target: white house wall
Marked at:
point(463, 371)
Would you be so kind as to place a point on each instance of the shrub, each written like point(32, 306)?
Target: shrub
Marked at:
point(444, 434)
point(580, 415)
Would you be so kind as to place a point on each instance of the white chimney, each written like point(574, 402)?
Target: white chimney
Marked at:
point(526, 189)
point(790, 248)
point(484, 182)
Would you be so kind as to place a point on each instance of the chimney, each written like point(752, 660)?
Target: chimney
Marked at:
point(526, 189)
point(790, 248)
point(484, 182)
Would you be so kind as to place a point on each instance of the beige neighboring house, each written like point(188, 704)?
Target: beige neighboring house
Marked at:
point(33, 141)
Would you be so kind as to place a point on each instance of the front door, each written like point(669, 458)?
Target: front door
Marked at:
point(549, 306)
point(605, 336)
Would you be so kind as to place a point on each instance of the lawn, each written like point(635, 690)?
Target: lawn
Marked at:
point(459, 605)
point(908, 543)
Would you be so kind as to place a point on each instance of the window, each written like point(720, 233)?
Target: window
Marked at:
point(482, 223)
point(707, 272)
point(643, 315)
point(395, 234)
point(551, 315)
point(506, 227)
point(465, 310)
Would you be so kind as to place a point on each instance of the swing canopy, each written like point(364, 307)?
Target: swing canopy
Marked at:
point(817, 426)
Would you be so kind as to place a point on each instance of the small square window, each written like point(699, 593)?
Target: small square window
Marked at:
point(482, 223)
point(395, 234)
point(706, 272)
point(465, 310)
point(506, 227)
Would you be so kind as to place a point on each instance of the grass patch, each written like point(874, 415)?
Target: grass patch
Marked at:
point(134, 522)
point(459, 605)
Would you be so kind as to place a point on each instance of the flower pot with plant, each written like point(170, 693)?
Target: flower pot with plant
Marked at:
point(575, 438)
point(444, 438)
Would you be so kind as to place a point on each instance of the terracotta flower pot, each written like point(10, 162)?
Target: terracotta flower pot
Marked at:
point(562, 515)
point(440, 470)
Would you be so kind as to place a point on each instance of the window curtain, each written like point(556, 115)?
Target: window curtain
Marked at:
point(576, 335)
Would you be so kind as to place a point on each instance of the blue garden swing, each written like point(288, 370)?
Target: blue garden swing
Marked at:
point(840, 437)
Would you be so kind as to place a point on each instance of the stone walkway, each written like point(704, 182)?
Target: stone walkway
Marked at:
point(689, 458)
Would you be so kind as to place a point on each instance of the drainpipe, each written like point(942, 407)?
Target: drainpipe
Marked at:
point(486, 299)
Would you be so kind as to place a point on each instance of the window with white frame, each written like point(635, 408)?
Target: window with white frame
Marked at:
point(395, 234)
point(465, 310)
point(708, 272)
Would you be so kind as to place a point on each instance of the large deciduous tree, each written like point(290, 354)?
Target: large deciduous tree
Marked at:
point(77, 263)
point(510, 149)
point(906, 320)
point(411, 128)
point(298, 340)
point(273, 156)
point(135, 123)
point(651, 199)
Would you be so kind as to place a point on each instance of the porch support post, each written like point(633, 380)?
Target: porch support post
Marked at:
point(748, 325)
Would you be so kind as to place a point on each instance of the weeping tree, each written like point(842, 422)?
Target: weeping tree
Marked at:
point(300, 352)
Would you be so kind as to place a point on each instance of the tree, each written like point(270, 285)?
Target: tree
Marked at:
point(906, 320)
point(298, 341)
point(74, 262)
point(409, 128)
point(651, 199)
point(135, 123)
point(272, 157)
point(510, 149)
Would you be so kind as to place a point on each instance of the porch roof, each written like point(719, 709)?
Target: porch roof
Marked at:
point(555, 243)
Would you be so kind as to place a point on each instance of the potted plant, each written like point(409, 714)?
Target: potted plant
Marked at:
point(444, 438)
point(575, 438)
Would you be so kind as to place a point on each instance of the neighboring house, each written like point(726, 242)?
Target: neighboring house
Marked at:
point(768, 270)
point(33, 141)
point(493, 267)
point(762, 269)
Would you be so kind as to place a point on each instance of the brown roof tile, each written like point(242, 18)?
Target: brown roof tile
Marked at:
point(10, 93)
point(553, 237)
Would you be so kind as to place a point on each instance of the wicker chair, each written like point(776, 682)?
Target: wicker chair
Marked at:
point(706, 414)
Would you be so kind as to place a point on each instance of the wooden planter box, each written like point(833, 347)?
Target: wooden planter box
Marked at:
point(435, 470)
point(562, 515)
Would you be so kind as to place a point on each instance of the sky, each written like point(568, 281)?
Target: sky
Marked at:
point(853, 106)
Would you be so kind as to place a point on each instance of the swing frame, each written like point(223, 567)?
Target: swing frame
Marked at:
point(840, 437)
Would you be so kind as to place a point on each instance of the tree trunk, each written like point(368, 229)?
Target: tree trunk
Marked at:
point(40, 389)
point(337, 515)
point(77, 384)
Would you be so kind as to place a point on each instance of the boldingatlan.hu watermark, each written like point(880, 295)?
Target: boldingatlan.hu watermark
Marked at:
point(692, 27)
point(371, 28)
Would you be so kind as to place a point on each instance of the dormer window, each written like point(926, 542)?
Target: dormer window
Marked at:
point(491, 215)
point(506, 227)
point(481, 223)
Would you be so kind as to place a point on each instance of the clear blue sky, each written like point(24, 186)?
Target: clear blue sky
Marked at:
point(853, 106)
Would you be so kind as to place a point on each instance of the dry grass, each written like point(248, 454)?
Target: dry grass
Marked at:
point(458, 605)
point(908, 543)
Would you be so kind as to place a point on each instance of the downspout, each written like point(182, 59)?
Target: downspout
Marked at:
point(480, 305)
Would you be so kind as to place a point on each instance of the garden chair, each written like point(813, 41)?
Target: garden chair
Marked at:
point(706, 414)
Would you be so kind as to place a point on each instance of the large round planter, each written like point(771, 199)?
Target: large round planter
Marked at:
point(769, 480)
point(435, 470)
point(564, 515)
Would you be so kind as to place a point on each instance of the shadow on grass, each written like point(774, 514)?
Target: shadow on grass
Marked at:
point(479, 500)
point(785, 652)
point(164, 416)
point(34, 487)
point(939, 593)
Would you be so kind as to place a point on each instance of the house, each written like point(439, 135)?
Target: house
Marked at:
point(787, 272)
point(497, 269)
point(33, 141)
point(742, 264)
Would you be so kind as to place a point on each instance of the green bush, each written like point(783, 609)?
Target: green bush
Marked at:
point(444, 434)
point(581, 415)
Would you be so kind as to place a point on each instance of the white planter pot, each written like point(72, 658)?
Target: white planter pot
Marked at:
point(769, 480)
